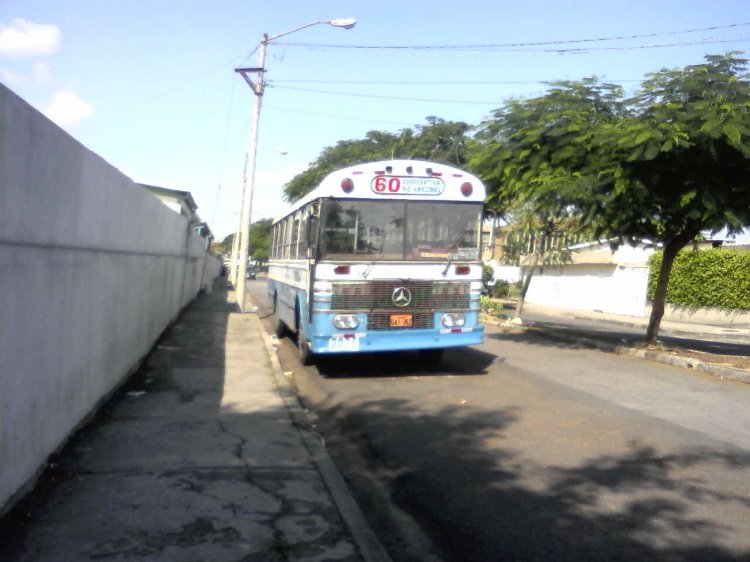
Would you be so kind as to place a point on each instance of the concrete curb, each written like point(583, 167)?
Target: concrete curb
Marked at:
point(367, 542)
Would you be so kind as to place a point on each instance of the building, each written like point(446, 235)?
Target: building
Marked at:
point(182, 202)
point(596, 279)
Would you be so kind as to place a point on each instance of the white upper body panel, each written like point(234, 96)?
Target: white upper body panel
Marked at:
point(405, 180)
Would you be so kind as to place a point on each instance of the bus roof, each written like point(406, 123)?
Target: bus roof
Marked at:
point(416, 180)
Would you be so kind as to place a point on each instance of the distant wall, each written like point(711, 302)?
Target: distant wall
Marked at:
point(92, 270)
point(608, 288)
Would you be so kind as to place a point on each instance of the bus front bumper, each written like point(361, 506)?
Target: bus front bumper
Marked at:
point(396, 340)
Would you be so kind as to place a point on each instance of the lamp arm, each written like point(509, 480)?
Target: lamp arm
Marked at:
point(297, 29)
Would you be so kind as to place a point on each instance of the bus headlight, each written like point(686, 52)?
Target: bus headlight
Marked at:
point(346, 321)
point(453, 320)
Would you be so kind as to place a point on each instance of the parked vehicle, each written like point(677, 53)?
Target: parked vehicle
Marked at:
point(381, 256)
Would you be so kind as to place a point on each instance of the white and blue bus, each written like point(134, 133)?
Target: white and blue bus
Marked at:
point(381, 256)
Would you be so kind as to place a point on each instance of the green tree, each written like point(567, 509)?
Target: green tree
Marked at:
point(534, 160)
point(439, 140)
point(260, 241)
point(680, 163)
point(662, 166)
point(224, 246)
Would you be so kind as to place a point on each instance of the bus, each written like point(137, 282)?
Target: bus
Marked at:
point(381, 256)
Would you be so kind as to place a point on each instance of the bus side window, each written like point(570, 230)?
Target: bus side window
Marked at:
point(294, 236)
point(287, 237)
point(302, 242)
point(311, 234)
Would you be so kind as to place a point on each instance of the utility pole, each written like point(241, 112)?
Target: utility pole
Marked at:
point(257, 86)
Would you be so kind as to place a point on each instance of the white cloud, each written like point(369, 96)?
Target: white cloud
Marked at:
point(23, 38)
point(67, 109)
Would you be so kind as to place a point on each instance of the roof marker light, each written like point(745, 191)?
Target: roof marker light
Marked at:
point(342, 270)
point(429, 171)
point(389, 169)
point(347, 185)
point(379, 172)
point(466, 189)
point(409, 170)
point(462, 270)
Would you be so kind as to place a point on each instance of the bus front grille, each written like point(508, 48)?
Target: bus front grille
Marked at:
point(379, 295)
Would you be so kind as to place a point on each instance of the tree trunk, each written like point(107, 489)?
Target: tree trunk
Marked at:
point(525, 287)
point(657, 307)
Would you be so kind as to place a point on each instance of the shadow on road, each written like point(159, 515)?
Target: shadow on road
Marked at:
point(454, 470)
point(455, 362)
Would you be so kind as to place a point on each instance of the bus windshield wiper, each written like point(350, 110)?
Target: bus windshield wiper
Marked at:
point(375, 260)
point(451, 257)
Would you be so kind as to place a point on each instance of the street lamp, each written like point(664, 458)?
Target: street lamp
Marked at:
point(239, 262)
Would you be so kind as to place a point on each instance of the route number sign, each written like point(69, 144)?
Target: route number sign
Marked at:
point(391, 185)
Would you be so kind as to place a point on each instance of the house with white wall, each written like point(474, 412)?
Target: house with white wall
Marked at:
point(597, 279)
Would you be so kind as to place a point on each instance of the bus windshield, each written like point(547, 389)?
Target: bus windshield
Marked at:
point(399, 230)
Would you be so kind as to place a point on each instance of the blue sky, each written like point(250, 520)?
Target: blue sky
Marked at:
point(150, 85)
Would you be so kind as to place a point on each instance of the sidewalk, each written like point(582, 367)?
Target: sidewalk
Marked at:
point(206, 455)
point(672, 326)
point(716, 349)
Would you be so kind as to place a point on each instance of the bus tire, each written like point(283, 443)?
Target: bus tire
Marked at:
point(281, 329)
point(305, 353)
point(431, 356)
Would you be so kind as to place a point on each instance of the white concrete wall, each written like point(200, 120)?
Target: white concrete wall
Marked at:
point(602, 287)
point(92, 270)
point(509, 273)
point(704, 315)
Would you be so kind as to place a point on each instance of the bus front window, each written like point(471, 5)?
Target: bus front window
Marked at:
point(400, 230)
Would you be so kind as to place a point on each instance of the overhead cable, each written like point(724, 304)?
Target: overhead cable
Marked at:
point(361, 95)
point(515, 44)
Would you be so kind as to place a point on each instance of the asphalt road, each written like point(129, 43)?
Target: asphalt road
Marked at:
point(526, 449)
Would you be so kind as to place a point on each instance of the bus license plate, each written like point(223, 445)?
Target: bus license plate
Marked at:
point(343, 344)
point(401, 321)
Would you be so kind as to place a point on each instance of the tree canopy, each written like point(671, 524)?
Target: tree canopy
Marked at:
point(439, 140)
point(663, 166)
point(260, 241)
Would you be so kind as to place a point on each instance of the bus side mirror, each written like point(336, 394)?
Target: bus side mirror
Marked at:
point(312, 229)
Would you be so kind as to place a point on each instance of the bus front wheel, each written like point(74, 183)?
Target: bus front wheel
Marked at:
point(281, 329)
point(305, 352)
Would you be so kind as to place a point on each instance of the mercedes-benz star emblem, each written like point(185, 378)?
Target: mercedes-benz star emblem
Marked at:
point(401, 296)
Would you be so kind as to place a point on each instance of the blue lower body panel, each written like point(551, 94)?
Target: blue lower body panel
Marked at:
point(324, 340)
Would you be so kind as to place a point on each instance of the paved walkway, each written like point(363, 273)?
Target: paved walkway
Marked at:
point(726, 330)
point(718, 349)
point(205, 455)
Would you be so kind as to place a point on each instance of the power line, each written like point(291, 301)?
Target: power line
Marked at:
point(361, 95)
point(472, 50)
point(514, 45)
point(432, 83)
